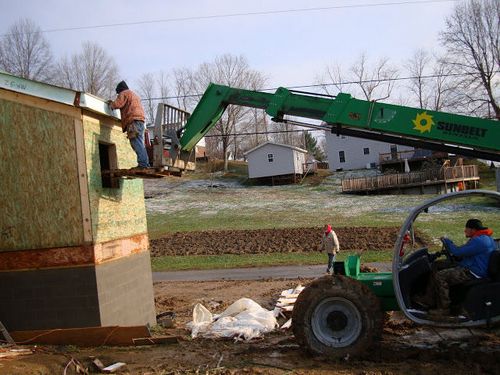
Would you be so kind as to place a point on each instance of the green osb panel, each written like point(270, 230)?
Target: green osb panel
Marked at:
point(39, 196)
point(116, 212)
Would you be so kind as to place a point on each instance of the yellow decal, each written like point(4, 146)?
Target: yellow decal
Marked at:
point(423, 122)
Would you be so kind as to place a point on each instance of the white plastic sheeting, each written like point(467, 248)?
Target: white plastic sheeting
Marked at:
point(245, 319)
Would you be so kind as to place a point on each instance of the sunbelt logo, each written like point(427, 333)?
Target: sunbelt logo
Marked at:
point(423, 122)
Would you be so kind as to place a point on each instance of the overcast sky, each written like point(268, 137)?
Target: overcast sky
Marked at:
point(289, 48)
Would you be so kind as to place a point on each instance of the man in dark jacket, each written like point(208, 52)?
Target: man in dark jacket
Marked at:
point(474, 258)
point(132, 114)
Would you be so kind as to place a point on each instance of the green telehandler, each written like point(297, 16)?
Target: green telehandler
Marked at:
point(343, 314)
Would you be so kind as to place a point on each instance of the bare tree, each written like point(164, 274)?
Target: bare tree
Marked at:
point(332, 80)
point(377, 82)
point(373, 82)
point(257, 119)
point(25, 52)
point(417, 67)
point(146, 90)
point(231, 71)
point(162, 84)
point(471, 39)
point(430, 82)
point(92, 71)
point(184, 88)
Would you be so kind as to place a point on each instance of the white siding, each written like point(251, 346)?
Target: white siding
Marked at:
point(286, 161)
point(353, 149)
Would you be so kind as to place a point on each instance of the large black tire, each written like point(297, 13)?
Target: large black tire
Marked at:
point(337, 317)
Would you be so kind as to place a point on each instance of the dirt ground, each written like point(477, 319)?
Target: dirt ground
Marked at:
point(272, 241)
point(404, 349)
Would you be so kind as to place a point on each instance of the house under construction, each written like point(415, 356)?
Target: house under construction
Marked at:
point(73, 244)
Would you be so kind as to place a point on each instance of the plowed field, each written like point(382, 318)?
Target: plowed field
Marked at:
point(271, 241)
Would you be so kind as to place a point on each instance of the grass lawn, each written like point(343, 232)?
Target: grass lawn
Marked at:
point(205, 262)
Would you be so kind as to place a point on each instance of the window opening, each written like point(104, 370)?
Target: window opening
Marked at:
point(108, 161)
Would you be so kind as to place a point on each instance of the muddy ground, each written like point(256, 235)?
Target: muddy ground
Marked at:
point(404, 349)
point(272, 241)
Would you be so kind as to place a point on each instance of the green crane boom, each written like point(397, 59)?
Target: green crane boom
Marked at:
point(346, 115)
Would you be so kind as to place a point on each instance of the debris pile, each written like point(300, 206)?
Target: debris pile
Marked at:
point(245, 319)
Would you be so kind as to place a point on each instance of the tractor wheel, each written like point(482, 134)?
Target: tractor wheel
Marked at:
point(337, 317)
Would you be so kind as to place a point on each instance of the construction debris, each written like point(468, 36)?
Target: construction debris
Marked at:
point(243, 320)
point(13, 351)
point(285, 303)
point(166, 319)
point(107, 369)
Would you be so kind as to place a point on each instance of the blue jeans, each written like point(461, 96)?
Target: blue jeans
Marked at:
point(137, 144)
point(331, 261)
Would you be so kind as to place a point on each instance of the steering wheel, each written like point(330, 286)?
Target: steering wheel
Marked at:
point(447, 251)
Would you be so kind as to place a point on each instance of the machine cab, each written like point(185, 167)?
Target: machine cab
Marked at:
point(418, 247)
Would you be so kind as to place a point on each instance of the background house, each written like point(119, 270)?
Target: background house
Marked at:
point(346, 153)
point(271, 160)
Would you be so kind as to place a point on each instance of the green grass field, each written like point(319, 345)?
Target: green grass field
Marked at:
point(204, 262)
point(201, 201)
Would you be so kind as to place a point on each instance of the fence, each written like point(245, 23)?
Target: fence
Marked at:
point(462, 172)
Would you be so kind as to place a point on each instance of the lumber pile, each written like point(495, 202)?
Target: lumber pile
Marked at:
point(285, 303)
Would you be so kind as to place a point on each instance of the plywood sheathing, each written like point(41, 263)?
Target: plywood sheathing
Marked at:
point(115, 212)
point(40, 197)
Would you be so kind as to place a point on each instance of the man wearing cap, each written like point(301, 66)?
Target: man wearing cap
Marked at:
point(132, 114)
point(330, 244)
point(474, 257)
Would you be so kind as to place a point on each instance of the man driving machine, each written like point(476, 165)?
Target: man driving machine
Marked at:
point(464, 263)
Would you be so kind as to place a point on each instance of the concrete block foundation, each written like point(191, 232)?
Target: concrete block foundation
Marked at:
point(118, 292)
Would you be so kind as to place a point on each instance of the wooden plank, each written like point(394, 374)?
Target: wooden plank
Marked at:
point(84, 255)
point(142, 173)
point(121, 248)
point(92, 336)
point(82, 180)
point(11, 352)
point(156, 340)
point(46, 258)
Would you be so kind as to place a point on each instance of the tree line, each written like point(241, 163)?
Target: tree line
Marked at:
point(464, 77)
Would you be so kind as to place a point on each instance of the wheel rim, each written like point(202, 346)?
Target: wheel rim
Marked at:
point(336, 322)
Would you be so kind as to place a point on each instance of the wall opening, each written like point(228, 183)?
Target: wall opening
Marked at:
point(108, 161)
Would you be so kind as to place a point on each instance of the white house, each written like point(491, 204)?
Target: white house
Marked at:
point(357, 153)
point(274, 159)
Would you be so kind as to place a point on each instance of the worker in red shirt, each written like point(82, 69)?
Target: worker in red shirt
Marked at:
point(132, 114)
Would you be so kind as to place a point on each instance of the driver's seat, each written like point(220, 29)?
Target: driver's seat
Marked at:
point(494, 266)
point(480, 297)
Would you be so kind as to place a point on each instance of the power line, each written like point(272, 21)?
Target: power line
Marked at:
point(331, 84)
point(245, 14)
point(268, 132)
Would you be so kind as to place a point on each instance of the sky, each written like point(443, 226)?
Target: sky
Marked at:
point(290, 48)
